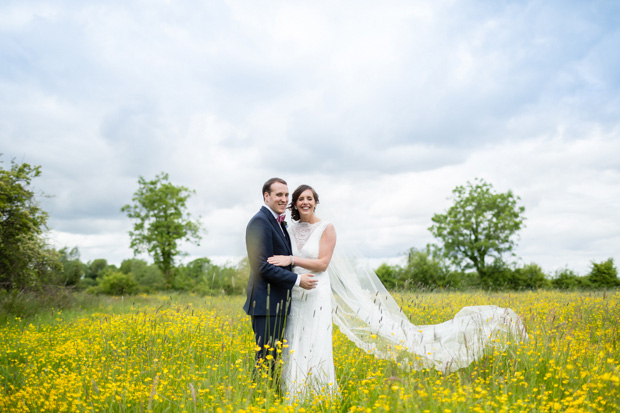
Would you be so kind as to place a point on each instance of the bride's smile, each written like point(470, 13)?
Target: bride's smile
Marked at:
point(306, 205)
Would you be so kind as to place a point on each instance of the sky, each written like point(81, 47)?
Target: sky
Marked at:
point(383, 107)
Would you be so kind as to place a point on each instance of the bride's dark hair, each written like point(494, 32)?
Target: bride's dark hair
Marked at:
point(296, 194)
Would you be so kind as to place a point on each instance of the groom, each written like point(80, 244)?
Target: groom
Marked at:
point(269, 287)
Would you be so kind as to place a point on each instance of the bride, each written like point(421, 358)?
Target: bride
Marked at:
point(308, 361)
point(353, 297)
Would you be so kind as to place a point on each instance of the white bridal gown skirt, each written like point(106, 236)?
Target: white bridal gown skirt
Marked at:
point(308, 360)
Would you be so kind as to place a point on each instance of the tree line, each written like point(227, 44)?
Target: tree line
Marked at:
point(424, 270)
point(161, 222)
point(476, 238)
point(134, 275)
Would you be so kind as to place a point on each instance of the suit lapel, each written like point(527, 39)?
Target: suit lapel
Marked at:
point(279, 230)
point(288, 240)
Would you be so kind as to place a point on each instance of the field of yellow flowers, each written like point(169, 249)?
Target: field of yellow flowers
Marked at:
point(187, 353)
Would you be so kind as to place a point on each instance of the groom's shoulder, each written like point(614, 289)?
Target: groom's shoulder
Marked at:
point(259, 216)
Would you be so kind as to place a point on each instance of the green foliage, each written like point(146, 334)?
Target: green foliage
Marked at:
point(389, 275)
point(72, 268)
point(502, 276)
point(86, 283)
point(566, 279)
point(529, 277)
point(95, 268)
point(498, 276)
point(25, 260)
point(161, 221)
point(604, 275)
point(148, 277)
point(425, 271)
point(115, 283)
point(480, 227)
point(422, 271)
point(204, 277)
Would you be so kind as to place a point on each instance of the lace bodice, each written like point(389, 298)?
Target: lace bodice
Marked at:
point(307, 238)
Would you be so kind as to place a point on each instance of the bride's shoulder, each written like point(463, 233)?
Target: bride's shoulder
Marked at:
point(328, 228)
point(323, 223)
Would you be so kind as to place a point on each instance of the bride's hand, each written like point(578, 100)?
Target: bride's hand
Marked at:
point(280, 260)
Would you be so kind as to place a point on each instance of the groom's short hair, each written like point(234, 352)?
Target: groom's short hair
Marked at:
point(267, 185)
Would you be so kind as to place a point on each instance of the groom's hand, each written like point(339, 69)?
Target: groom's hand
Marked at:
point(307, 281)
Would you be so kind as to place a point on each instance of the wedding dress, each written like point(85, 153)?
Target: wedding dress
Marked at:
point(351, 295)
point(308, 358)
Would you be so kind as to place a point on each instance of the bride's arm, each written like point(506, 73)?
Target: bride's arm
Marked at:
point(326, 249)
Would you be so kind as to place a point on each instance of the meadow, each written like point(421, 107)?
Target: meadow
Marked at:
point(185, 353)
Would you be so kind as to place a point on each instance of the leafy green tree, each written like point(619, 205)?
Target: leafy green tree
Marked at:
point(205, 277)
point(26, 262)
point(389, 275)
point(159, 210)
point(426, 271)
point(148, 277)
point(73, 268)
point(529, 277)
point(604, 275)
point(242, 275)
point(95, 267)
point(479, 227)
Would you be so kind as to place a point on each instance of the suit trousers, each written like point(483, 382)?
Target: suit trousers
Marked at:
point(268, 330)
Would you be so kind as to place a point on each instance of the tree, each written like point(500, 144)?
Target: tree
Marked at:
point(95, 267)
point(205, 277)
point(161, 221)
point(566, 279)
point(25, 260)
point(604, 274)
point(425, 271)
point(388, 274)
point(148, 277)
point(529, 277)
point(114, 282)
point(73, 268)
point(481, 225)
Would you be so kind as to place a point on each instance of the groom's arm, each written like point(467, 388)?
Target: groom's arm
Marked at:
point(259, 242)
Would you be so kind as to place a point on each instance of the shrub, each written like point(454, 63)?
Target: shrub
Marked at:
point(568, 280)
point(204, 277)
point(388, 274)
point(85, 283)
point(529, 277)
point(497, 276)
point(148, 277)
point(95, 268)
point(116, 283)
point(604, 275)
point(424, 270)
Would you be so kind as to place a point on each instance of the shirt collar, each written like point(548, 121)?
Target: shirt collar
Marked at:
point(275, 214)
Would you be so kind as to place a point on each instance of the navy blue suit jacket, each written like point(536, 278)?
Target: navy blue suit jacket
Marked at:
point(269, 286)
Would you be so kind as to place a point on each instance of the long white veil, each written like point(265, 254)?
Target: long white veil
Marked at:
point(367, 314)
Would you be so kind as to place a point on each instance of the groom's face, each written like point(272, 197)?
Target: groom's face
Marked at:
point(277, 197)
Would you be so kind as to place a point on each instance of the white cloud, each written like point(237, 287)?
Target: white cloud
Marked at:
point(384, 108)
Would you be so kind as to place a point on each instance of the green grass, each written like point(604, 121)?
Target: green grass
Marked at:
point(183, 352)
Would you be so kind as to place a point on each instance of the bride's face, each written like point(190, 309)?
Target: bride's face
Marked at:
point(305, 204)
